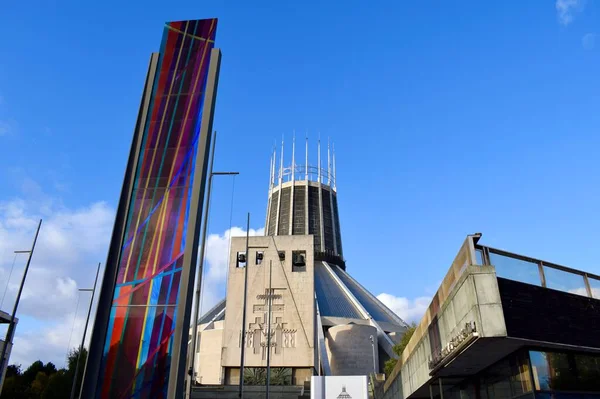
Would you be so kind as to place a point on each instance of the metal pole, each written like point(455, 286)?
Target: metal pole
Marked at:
point(84, 331)
point(241, 393)
point(373, 346)
point(11, 325)
point(270, 297)
point(199, 268)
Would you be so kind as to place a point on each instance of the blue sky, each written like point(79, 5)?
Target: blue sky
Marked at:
point(448, 118)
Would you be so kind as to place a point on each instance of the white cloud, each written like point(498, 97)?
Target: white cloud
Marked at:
point(566, 10)
point(52, 341)
point(583, 291)
point(71, 243)
point(409, 310)
point(588, 41)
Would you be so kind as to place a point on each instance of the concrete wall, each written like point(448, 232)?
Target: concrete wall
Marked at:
point(293, 313)
point(349, 349)
point(6, 363)
point(208, 360)
point(470, 294)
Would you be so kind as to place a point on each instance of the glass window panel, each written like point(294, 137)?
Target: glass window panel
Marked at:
point(520, 375)
point(595, 286)
point(516, 269)
point(553, 371)
point(497, 380)
point(588, 372)
point(565, 281)
point(479, 257)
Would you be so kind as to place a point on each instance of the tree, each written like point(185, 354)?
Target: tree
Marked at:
point(399, 348)
point(32, 371)
point(13, 370)
point(59, 386)
point(49, 368)
point(38, 386)
point(13, 388)
point(43, 381)
point(72, 365)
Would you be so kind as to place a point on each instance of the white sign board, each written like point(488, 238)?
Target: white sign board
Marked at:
point(339, 387)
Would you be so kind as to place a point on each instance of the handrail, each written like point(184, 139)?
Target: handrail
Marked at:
point(302, 173)
point(534, 260)
point(542, 267)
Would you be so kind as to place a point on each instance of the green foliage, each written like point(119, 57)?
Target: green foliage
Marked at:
point(72, 364)
point(389, 366)
point(49, 368)
point(13, 370)
point(13, 389)
point(258, 376)
point(255, 376)
point(59, 386)
point(43, 381)
point(32, 371)
point(281, 376)
point(38, 386)
point(399, 348)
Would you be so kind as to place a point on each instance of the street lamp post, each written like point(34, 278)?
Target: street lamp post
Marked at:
point(93, 291)
point(11, 325)
point(241, 392)
point(372, 339)
point(192, 357)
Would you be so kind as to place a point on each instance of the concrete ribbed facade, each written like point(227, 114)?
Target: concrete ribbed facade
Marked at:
point(306, 207)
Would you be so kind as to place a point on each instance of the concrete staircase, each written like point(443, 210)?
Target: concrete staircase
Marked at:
point(306, 391)
point(251, 392)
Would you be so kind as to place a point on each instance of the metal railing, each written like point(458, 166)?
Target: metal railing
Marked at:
point(538, 272)
point(301, 172)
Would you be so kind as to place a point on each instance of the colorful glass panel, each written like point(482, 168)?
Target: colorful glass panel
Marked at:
point(139, 339)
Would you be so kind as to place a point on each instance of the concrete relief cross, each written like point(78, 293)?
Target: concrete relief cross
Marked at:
point(253, 336)
point(264, 307)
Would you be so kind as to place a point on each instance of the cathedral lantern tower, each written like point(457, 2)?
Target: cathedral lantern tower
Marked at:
point(320, 320)
point(303, 200)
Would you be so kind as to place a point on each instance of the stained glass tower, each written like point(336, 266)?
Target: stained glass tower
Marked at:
point(139, 342)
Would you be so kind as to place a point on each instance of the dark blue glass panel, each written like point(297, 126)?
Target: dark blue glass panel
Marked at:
point(516, 269)
point(332, 300)
point(370, 303)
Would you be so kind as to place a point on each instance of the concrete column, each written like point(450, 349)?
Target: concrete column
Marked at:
point(322, 245)
point(306, 211)
point(333, 226)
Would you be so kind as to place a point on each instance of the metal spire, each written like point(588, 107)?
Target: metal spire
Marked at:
point(328, 164)
point(334, 175)
point(294, 156)
point(319, 159)
point(274, 162)
point(281, 164)
point(306, 170)
point(271, 170)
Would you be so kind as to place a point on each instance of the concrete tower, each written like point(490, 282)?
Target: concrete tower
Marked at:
point(322, 321)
